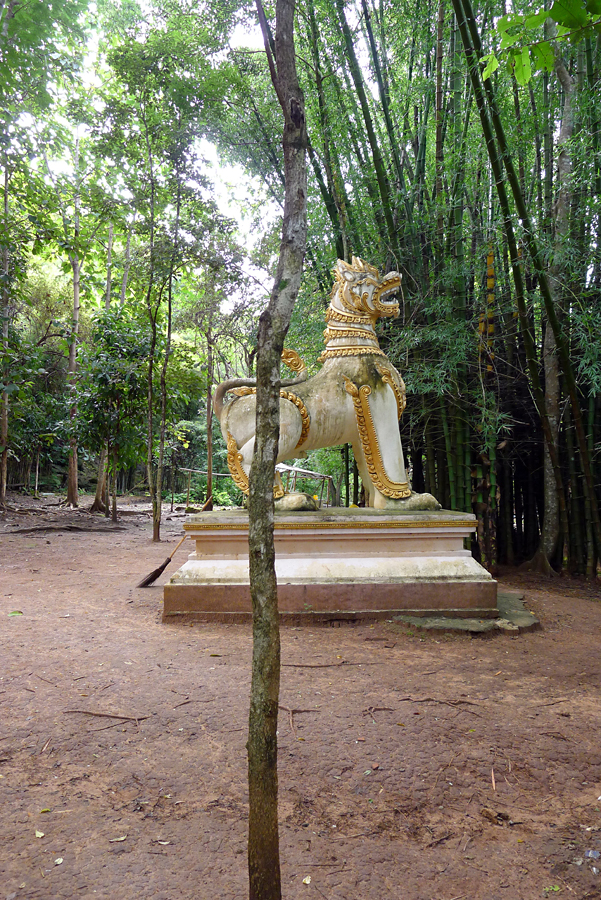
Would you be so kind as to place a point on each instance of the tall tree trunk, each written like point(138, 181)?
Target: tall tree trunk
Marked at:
point(115, 462)
point(153, 312)
point(98, 504)
point(263, 839)
point(209, 418)
point(439, 250)
point(72, 477)
point(5, 317)
point(550, 532)
point(126, 263)
point(109, 268)
point(158, 505)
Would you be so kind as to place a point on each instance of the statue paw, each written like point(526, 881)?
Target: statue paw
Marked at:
point(415, 503)
point(297, 502)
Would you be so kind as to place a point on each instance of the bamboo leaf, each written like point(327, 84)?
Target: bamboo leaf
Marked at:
point(492, 65)
point(508, 40)
point(522, 69)
point(569, 13)
point(536, 20)
point(544, 57)
point(505, 22)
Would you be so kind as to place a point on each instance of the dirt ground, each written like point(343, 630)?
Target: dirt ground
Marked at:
point(412, 766)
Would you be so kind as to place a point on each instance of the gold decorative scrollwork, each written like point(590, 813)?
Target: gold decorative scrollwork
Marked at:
point(244, 391)
point(234, 464)
point(305, 417)
point(391, 376)
point(335, 315)
point(292, 360)
point(239, 476)
point(350, 351)
point(397, 490)
point(331, 333)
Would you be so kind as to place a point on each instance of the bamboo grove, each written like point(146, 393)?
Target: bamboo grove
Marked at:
point(456, 144)
point(484, 194)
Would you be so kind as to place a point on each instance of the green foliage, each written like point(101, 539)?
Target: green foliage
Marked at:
point(122, 149)
point(112, 389)
point(572, 21)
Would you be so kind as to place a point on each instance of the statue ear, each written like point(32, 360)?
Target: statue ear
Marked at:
point(345, 270)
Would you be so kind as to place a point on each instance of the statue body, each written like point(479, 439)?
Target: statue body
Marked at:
point(357, 397)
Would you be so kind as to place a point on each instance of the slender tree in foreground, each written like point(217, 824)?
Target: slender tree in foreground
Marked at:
point(263, 841)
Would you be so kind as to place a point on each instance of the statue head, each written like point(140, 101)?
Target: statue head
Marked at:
point(360, 288)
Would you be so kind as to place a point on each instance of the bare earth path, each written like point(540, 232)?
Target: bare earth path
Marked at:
point(413, 767)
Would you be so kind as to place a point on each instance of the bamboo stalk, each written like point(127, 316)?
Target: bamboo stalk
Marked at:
point(495, 161)
point(541, 271)
point(381, 175)
point(449, 454)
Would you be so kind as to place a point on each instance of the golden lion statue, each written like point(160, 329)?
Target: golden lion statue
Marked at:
point(357, 397)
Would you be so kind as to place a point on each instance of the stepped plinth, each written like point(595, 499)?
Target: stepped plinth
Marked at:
point(336, 564)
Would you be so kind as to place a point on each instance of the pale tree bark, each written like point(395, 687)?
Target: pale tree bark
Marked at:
point(263, 839)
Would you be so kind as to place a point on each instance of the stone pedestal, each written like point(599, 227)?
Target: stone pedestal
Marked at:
point(336, 564)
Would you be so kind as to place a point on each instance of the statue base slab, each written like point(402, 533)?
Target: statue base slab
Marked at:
point(336, 564)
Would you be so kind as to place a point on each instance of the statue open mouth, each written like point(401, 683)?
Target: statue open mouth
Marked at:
point(384, 299)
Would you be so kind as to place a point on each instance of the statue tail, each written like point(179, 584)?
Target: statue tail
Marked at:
point(225, 386)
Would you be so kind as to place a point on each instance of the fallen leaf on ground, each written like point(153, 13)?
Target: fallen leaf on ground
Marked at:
point(58, 860)
point(15, 612)
point(117, 840)
point(307, 879)
point(39, 834)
